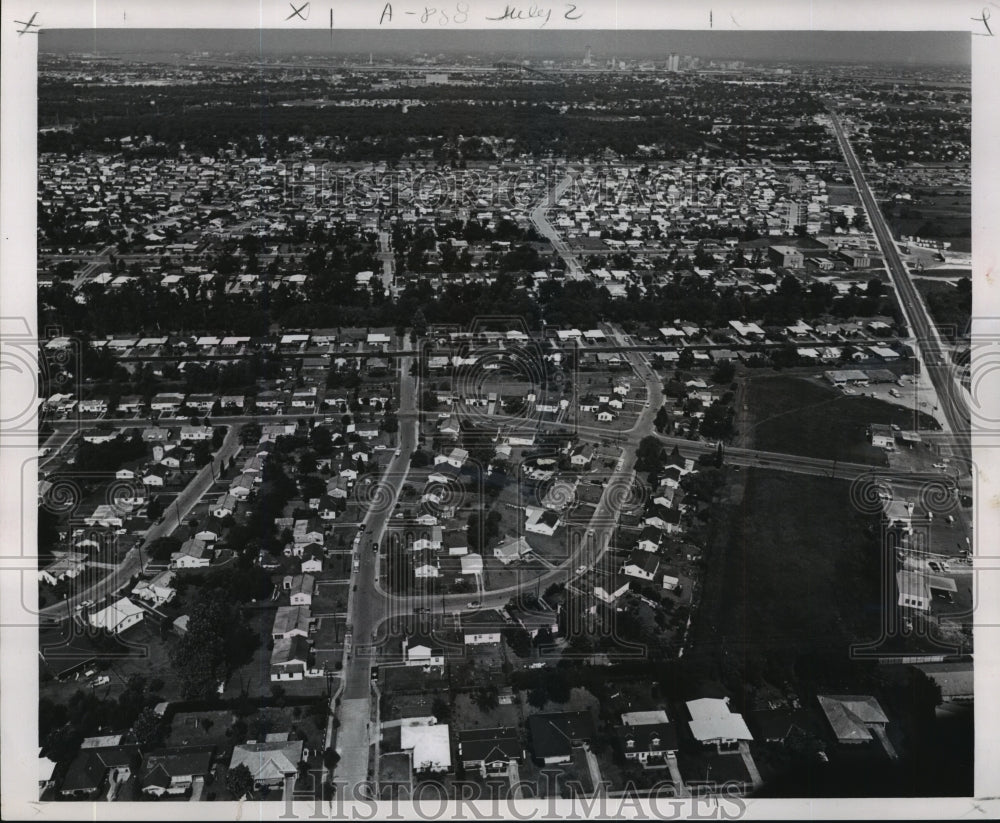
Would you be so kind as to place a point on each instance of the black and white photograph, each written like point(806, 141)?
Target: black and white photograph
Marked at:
point(503, 407)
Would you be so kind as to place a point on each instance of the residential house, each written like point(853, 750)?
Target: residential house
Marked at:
point(101, 762)
point(647, 736)
point(456, 541)
point(649, 539)
point(455, 458)
point(300, 588)
point(225, 506)
point(174, 771)
point(511, 549)
point(193, 554)
point(290, 658)
point(429, 745)
point(270, 762)
point(67, 566)
point(419, 650)
point(882, 436)
point(196, 433)
point(471, 564)
point(482, 628)
point(542, 521)
point(608, 591)
point(581, 455)
point(853, 718)
point(641, 565)
point(713, 724)
point(553, 735)
point(157, 591)
point(116, 618)
point(490, 751)
point(291, 621)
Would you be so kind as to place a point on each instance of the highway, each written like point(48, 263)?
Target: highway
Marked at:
point(934, 354)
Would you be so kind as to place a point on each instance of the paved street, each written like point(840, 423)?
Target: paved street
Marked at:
point(540, 220)
point(934, 354)
point(173, 516)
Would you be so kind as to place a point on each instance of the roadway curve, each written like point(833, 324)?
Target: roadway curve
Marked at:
point(135, 560)
point(541, 222)
point(934, 354)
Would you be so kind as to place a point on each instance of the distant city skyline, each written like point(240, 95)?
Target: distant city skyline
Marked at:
point(912, 48)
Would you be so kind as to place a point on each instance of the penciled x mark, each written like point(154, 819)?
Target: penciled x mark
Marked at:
point(297, 12)
point(29, 26)
point(984, 19)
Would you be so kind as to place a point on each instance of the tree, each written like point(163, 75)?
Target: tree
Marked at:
point(330, 758)
point(155, 509)
point(239, 781)
point(661, 419)
point(217, 639)
point(649, 454)
point(724, 372)
point(147, 730)
point(441, 709)
point(519, 641)
point(161, 548)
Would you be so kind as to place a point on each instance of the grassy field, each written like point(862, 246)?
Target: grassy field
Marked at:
point(800, 416)
point(794, 568)
point(950, 306)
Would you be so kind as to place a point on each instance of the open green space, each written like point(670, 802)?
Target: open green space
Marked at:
point(804, 417)
point(950, 306)
point(795, 568)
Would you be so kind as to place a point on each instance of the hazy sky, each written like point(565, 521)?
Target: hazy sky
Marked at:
point(842, 46)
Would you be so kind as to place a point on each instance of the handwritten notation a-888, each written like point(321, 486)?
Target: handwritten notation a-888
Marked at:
point(441, 15)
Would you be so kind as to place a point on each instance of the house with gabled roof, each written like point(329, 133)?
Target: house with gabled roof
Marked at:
point(173, 771)
point(647, 736)
point(270, 762)
point(511, 549)
point(119, 616)
point(641, 565)
point(714, 724)
point(490, 751)
point(291, 621)
point(853, 717)
point(290, 658)
point(553, 735)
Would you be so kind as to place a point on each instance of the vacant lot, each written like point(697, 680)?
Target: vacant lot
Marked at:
point(949, 305)
point(801, 416)
point(795, 567)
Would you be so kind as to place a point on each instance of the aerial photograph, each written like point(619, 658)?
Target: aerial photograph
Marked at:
point(449, 414)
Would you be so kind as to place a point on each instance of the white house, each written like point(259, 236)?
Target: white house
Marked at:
point(541, 521)
point(117, 617)
point(641, 565)
point(713, 724)
point(193, 554)
point(429, 746)
point(511, 549)
point(419, 651)
point(608, 591)
point(158, 590)
point(270, 762)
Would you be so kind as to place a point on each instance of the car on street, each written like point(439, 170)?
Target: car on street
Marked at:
point(473, 604)
point(580, 569)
